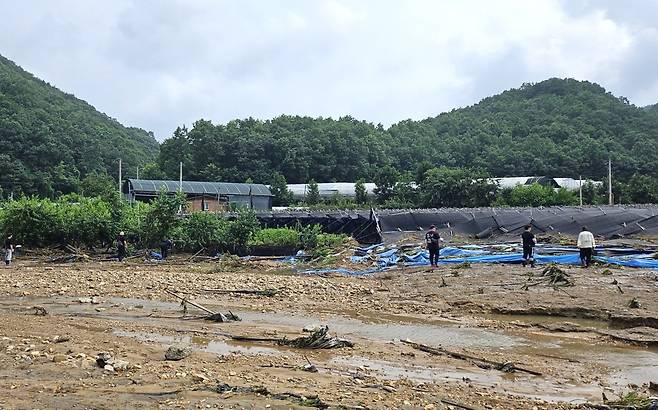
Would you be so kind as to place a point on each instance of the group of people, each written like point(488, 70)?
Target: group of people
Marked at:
point(585, 243)
point(121, 243)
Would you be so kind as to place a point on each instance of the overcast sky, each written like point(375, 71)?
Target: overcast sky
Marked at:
point(162, 63)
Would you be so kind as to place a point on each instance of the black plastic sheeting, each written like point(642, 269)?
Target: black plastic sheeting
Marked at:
point(368, 226)
point(604, 221)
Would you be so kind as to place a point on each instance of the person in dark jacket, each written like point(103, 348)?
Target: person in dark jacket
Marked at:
point(432, 240)
point(529, 242)
point(122, 246)
point(165, 247)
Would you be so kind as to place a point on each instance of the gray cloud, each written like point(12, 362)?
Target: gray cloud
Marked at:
point(160, 64)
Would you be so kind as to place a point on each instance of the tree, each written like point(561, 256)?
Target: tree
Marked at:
point(279, 188)
point(385, 180)
point(643, 189)
point(361, 195)
point(162, 217)
point(151, 171)
point(312, 193)
point(456, 187)
point(98, 184)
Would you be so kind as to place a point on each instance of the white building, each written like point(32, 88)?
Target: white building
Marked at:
point(329, 189)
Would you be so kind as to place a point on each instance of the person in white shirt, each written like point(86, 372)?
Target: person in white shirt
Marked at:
point(586, 245)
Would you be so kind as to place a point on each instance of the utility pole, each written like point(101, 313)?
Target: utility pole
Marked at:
point(137, 172)
point(610, 202)
point(580, 179)
point(180, 177)
point(119, 175)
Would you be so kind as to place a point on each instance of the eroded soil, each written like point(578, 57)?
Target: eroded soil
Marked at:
point(585, 340)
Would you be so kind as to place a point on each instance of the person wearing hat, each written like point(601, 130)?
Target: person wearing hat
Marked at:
point(122, 246)
point(432, 240)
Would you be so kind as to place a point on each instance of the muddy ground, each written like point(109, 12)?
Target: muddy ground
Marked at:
point(585, 340)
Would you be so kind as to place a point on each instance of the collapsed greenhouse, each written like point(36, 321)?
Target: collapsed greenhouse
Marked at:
point(371, 226)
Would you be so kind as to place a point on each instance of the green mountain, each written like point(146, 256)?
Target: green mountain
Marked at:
point(50, 139)
point(558, 127)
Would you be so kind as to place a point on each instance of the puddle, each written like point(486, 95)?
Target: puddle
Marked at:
point(626, 364)
point(199, 343)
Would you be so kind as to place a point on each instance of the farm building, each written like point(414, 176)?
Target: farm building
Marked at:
point(202, 196)
point(329, 189)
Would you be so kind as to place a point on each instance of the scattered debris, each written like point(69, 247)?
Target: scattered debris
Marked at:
point(507, 367)
point(266, 292)
point(443, 283)
point(634, 304)
point(317, 340)
point(552, 275)
point(302, 400)
point(463, 265)
point(213, 316)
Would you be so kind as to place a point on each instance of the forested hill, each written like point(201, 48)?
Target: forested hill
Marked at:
point(51, 139)
point(556, 127)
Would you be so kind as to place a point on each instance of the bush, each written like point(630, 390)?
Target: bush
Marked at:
point(275, 237)
point(202, 229)
point(33, 221)
point(240, 231)
point(85, 221)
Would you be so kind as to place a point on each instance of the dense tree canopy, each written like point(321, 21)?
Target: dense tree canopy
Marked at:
point(561, 128)
point(51, 140)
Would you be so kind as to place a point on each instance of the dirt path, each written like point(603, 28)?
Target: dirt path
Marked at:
point(573, 336)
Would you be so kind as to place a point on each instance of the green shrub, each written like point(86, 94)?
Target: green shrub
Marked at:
point(240, 230)
point(202, 229)
point(33, 221)
point(275, 237)
point(86, 221)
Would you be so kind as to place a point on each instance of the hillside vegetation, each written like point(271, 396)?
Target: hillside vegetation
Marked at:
point(559, 127)
point(51, 140)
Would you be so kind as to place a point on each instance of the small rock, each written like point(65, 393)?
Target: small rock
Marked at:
point(108, 368)
point(120, 365)
point(84, 300)
point(199, 378)
point(60, 339)
point(58, 358)
point(178, 352)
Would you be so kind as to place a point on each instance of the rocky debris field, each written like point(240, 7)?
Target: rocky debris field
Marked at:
point(113, 335)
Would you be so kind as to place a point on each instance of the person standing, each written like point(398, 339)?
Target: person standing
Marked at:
point(122, 246)
point(9, 249)
point(432, 240)
point(529, 242)
point(586, 246)
point(165, 246)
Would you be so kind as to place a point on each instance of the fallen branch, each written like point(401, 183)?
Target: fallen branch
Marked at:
point(196, 254)
point(460, 405)
point(214, 316)
point(507, 367)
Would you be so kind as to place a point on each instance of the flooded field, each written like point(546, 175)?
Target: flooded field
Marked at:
point(572, 347)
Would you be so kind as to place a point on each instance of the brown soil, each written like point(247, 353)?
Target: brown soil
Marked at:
point(584, 339)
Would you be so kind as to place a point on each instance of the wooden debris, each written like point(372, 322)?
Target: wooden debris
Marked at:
point(307, 400)
point(214, 316)
point(317, 340)
point(507, 367)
